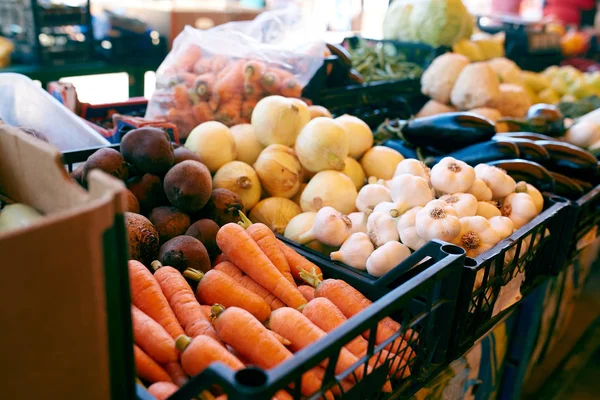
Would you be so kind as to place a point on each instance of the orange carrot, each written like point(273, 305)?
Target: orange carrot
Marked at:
point(146, 368)
point(244, 252)
point(253, 90)
point(234, 272)
point(307, 291)
point(340, 388)
point(291, 88)
point(202, 112)
point(206, 311)
point(183, 302)
point(323, 313)
point(177, 373)
point(300, 267)
point(268, 243)
point(351, 302)
point(229, 110)
point(203, 85)
point(152, 338)
point(219, 63)
point(247, 107)
point(203, 66)
point(220, 258)
point(283, 340)
point(270, 82)
point(187, 78)
point(162, 390)
point(217, 287)
point(256, 344)
point(188, 57)
point(295, 327)
point(146, 295)
point(198, 353)
point(253, 70)
point(230, 84)
point(181, 97)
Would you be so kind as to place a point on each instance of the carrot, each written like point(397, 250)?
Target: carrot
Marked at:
point(229, 110)
point(219, 63)
point(205, 311)
point(187, 78)
point(253, 70)
point(181, 97)
point(268, 243)
point(202, 112)
point(188, 57)
point(152, 338)
point(323, 313)
point(307, 291)
point(291, 88)
point(283, 340)
point(146, 295)
point(247, 107)
point(217, 287)
point(295, 327)
point(244, 252)
point(176, 373)
point(162, 390)
point(253, 90)
point(184, 119)
point(203, 85)
point(146, 368)
point(198, 353)
point(256, 344)
point(220, 258)
point(270, 82)
point(203, 66)
point(234, 272)
point(351, 302)
point(340, 388)
point(183, 302)
point(300, 267)
point(230, 84)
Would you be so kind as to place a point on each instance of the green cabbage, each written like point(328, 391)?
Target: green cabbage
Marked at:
point(435, 22)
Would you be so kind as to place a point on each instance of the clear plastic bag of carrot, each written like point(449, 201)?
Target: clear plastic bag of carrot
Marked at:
point(221, 73)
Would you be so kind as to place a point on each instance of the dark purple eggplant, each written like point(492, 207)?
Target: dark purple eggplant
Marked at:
point(528, 171)
point(401, 147)
point(566, 187)
point(570, 160)
point(528, 149)
point(526, 135)
point(481, 153)
point(446, 132)
point(587, 186)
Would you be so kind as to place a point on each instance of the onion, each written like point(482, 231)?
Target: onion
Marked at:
point(322, 144)
point(241, 179)
point(278, 120)
point(279, 171)
point(213, 143)
point(360, 137)
point(354, 171)
point(275, 212)
point(329, 188)
point(319, 111)
point(299, 225)
point(246, 145)
point(296, 198)
point(381, 162)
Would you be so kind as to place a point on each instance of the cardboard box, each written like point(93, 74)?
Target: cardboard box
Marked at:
point(64, 297)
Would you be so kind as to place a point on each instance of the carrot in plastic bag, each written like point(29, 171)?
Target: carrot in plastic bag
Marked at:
point(247, 107)
point(203, 85)
point(218, 63)
point(203, 66)
point(181, 97)
point(291, 88)
point(202, 112)
point(253, 70)
point(188, 58)
point(229, 111)
point(229, 85)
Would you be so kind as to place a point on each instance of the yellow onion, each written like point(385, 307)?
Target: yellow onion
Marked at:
point(247, 146)
point(275, 212)
point(278, 120)
point(298, 195)
point(279, 171)
point(329, 188)
point(354, 171)
point(381, 162)
point(241, 179)
point(319, 111)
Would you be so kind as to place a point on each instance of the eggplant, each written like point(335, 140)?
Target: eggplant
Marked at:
point(528, 149)
point(566, 187)
point(528, 171)
point(541, 118)
point(587, 186)
point(481, 153)
point(570, 160)
point(401, 147)
point(525, 135)
point(446, 132)
point(545, 112)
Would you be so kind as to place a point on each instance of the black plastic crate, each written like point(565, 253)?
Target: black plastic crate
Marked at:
point(531, 252)
point(584, 218)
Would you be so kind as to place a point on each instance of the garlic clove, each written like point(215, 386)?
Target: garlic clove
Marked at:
point(381, 228)
point(410, 166)
point(452, 176)
point(330, 227)
point(359, 222)
point(355, 251)
point(370, 196)
point(386, 258)
point(503, 225)
point(465, 204)
point(437, 220)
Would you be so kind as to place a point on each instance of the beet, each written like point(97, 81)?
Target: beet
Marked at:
point(142, 238)
point(148, 189)
point(205, 230)
point(188, 185)
point(108, 160)
point(183, 252)
point(169, 222)
point(148, 149)
point(224, 207)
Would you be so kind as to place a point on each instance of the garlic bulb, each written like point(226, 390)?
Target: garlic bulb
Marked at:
point(275, 212)
point(359, 222)
point(437, 220)
point(480, 190)
point(355, 251)
point(408, 231)
point(476, 235)
point(487, 209)
point(279, 171)
point(299, 225)
point(381, 161)
point(329, 188)
point(387, 207)
point(503, 225)
point(410, 166)
point(381, 228)
point(371, 195)
point(538, 199)
point(520, 208)
point(354, 171)
point(465, 204)
point(410, 191)
point(452, 176)
point(330, 227)
point(496, 179)
point(386, 258)
point(360, 137)
point(241, 179)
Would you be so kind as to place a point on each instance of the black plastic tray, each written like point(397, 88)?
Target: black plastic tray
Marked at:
point(584, 216)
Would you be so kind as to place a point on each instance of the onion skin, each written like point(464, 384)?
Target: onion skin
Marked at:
point(241, 179)
point(279, 171)
point(278, 120)
point(275, 212)
point(329, 188)
point(322, 145)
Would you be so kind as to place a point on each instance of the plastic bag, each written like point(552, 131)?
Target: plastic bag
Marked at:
point(221, 73)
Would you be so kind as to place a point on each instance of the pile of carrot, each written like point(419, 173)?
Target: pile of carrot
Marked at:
point(253, 308)
point(200, 87)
